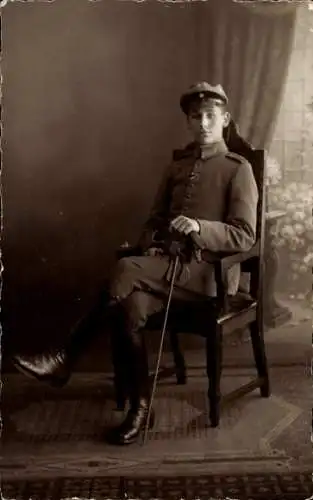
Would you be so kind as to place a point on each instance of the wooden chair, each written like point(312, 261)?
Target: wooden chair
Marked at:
point(223, 315)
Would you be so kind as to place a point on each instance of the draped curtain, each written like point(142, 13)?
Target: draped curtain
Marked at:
point(246, 47)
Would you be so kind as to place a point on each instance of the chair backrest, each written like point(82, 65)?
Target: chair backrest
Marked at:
point(256, 158)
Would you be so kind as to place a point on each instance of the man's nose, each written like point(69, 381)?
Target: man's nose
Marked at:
point(204, 122)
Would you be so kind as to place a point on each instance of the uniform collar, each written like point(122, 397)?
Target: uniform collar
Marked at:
point(207, 151)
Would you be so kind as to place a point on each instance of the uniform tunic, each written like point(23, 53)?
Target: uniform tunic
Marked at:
point(218, 189)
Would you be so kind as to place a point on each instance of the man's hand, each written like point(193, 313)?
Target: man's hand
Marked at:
point(185, 225)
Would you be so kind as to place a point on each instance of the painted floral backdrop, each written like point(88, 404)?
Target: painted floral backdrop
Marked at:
point(290, 167)
point(293, 233)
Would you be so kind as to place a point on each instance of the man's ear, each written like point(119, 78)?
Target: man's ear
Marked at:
point(227, 118)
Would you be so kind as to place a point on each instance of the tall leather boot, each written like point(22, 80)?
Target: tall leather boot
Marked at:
point(120, 360)
point(55, 367)
point(139, 393)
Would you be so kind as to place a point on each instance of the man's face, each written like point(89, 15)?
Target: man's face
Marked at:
point(207, 122)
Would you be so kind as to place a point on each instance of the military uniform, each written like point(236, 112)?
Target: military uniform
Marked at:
point(218, 189)
point(206, 183)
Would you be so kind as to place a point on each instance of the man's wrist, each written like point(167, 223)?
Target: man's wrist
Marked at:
point(199, 226)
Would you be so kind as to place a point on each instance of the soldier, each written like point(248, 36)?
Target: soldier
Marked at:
point(207, 190)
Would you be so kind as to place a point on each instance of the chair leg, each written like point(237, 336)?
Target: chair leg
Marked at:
point(214, 351)
point(179, 361)
point(257, 339)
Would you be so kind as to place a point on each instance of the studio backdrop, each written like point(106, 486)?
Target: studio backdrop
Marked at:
point(91, 115)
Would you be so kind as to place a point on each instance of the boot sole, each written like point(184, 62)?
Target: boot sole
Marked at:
point(50, 380)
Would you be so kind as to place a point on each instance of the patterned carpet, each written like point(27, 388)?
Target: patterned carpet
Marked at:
point(244, 487)
point(50, 433)
point(53, 448)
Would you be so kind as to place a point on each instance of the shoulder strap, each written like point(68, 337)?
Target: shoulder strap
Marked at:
point(236, 157)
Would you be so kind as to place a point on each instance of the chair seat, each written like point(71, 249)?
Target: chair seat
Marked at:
point(242, 311)
point(237, 304)
point(191, 318)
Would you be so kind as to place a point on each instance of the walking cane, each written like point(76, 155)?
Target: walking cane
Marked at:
point(172, 282)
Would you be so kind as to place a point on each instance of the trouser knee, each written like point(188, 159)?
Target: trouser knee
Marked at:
point(124, 279)
point(138, 307)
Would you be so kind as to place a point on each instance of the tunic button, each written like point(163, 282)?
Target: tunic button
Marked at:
point(194, 176)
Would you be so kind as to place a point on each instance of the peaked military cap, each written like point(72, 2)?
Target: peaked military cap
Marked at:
point(202, 91)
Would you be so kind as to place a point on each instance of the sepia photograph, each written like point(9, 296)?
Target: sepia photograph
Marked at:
point(156, 249)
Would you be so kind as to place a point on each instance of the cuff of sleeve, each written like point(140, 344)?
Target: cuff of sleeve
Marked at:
point(200, 227)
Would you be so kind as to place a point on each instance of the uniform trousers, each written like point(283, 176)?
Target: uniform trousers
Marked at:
point(142, 291)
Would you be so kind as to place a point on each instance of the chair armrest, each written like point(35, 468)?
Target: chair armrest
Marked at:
point(222, 263)
point(229, 260)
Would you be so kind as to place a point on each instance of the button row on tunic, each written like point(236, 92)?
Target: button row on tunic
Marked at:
point(194, 176)
point(198, 165)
